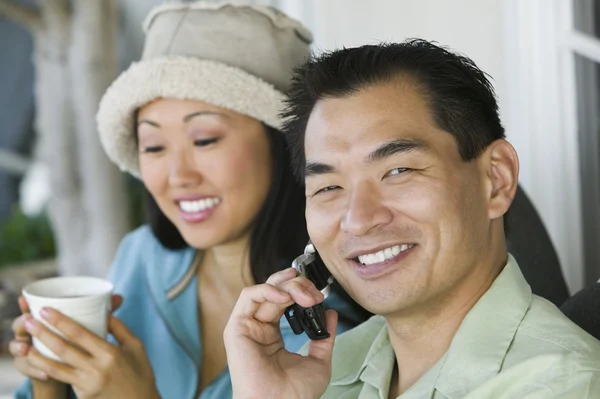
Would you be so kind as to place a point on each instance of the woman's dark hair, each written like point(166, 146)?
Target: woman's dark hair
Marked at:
point(279, 230)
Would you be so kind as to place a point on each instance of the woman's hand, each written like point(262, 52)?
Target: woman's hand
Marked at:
point(21, 346)
point(93, 367)
point(260, 366)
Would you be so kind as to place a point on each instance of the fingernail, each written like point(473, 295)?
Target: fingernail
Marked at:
point(21, 348)
point(30, 325)
point(45, 313)
point(41, 375)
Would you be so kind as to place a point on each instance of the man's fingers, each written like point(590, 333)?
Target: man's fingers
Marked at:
point(302, 291)
point(323, 349)
point(282, 276)
point(252, 298)
point(117, 301)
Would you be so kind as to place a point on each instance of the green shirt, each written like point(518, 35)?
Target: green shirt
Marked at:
point(512, 344)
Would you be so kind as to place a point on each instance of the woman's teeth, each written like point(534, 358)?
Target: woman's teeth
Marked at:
point(199, 205)
point(384, 254)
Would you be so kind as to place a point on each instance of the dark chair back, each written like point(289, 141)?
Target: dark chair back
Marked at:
point(584, 309)
point(529, 243)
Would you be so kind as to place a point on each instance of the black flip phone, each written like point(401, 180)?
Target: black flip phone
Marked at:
point(310, 320)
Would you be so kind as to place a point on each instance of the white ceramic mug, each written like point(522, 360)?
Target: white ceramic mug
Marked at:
point(86, 300)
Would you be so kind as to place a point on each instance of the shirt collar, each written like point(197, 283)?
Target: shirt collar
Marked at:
point(373, 331)
point(484, 337)
point(476, 352)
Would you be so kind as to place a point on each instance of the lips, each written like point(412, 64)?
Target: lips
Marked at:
point(384, 254)
point(199, 205)
point(197, 209)
point(379, 262)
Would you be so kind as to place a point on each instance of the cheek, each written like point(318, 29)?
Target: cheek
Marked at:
point(247, 170)
point(322, 222)
point(154, 176)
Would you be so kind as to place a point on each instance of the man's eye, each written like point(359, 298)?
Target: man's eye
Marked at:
point(205, 142)
point(153, 149)
point(326, 189)
point(397, 171)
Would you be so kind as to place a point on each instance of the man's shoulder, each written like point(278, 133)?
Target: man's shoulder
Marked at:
point(545, 330)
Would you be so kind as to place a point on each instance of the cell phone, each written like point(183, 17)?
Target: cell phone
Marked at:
point(310, 320)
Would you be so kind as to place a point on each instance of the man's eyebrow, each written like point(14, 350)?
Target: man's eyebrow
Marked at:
point(394, 147)
point(317, 168)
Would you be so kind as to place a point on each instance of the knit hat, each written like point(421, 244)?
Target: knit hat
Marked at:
point(239, 57)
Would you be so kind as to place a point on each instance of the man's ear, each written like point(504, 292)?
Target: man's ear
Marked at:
point(501, 165)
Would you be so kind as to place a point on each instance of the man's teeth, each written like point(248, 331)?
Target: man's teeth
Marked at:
point(199, 205)
point(384, 254)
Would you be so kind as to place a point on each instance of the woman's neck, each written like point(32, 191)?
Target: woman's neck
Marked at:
point(227, 267)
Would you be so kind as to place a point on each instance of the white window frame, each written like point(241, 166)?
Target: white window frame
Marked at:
point(541, 119)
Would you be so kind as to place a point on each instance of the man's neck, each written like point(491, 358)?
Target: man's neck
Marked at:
point(421, 338)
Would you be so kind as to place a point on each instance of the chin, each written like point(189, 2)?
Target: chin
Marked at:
point(200, 239)
point(391, 299)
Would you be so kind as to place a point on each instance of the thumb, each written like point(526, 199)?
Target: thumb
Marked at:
point(23, 305)
point(120, 331)
point(117, 301)
point(323, 349)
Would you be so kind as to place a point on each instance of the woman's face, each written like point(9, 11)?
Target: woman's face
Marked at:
point(208, 168)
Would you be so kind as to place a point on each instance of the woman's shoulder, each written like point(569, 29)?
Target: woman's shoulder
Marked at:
point(139, 250)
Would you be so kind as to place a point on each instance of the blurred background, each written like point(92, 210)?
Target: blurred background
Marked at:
point(64, 207)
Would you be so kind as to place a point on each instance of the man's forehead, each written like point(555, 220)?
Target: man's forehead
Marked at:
point(373, 115)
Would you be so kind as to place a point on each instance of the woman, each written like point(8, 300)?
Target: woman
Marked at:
point(197, 121)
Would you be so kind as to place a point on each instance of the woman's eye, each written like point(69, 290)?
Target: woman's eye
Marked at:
point(153, 149)
point(205, 142)
point(397, 171)
point(326, 189)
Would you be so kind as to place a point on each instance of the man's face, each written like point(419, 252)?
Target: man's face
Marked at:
point(398, 217)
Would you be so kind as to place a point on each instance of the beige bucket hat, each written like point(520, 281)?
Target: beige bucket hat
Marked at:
point(234, 56)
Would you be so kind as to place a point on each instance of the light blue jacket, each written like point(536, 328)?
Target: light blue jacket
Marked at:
point(160, 306)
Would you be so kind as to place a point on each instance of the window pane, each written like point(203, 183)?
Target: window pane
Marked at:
point(587, 16)
point(588, 107)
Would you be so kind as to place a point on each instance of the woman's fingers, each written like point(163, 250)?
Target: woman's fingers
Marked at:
point(19, 329)
point(17, 348)
point(23, 305)
point(51, 368)
point(71, 352)
point(116, 301)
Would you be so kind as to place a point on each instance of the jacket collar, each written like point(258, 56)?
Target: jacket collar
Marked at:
point(171, 277)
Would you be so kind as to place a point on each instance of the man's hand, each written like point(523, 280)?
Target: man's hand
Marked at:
point(260, 366)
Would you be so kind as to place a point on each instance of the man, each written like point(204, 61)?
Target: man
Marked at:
point(408, 177)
